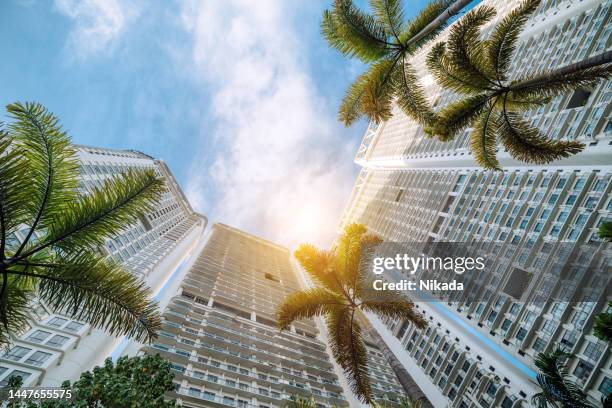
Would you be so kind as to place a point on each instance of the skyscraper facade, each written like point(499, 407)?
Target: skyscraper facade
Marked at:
point(55, 347)
point(413, 188)
point(220, 330)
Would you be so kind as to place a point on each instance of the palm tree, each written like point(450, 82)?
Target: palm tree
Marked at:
point(340, 294)
point(493, 102)
point(557, 390)
point(386, 42)
point(605, 231)
point(59, 260)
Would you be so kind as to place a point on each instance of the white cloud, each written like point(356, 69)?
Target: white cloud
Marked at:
point(285, 171)
point(98, 24)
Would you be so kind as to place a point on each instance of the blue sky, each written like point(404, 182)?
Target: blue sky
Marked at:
point(238, 97)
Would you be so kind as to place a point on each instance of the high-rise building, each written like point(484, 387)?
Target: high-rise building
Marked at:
point(413, 188)
point(220, 330)
point(54, 347)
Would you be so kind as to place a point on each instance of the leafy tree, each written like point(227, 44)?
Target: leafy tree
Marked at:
point(131, 383)
point(605, 231)
point(341, 293)
point(386, 42)
point(59, 260)
point(479, 70)
point(557, 390)
point(603, 324)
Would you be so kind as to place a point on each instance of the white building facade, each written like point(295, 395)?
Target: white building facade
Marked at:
point(220, 331)
point(54, 347)
point(413, 188)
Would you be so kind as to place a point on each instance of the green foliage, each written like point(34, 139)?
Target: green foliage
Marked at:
point(59, 261)
point(130, 383)
point(300, 402)
point(557, 389)
point(340, 296)
point(492, 104)
point(603, 324)
point(385, 41)
point(605, 231)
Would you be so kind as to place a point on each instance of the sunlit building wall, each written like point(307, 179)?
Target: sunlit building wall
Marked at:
point(54, 347)
point(220, 331)
point(413, 189)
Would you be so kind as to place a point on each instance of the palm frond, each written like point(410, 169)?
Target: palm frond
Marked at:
point(526, 143)
point(465, 48)
point(354, 33)
point(307, 304)
point(14, 314)
point(51, 169)
point(551, 84)
point(359, 278)
point(348, 252)
point(445, 72)
point(410, 94)
point(350, 109)
point(518, 104)
point(502, 43)
point(320, 265)
point(557, 390)
point(371, 94)
point(395, 306)
point(483, 142)
point(14, 199)
point(98, 291)
point(390, 14)
point(422, 20)
point(377, 98)
point(348, 348)
point(88, 222)
point(457, 116)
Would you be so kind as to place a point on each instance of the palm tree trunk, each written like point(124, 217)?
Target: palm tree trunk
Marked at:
point(592, 62)
point(411, 388)
point(440, 20)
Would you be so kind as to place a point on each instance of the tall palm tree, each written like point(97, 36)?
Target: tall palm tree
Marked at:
point(59, 260)
point(557, 390)
point(493, 101)
point(386, 42)
point(340, 294)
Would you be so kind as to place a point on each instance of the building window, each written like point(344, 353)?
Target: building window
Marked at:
point(16, 373)
point(57, 341)
point(593, 351)
point(57, 322)
point(583, 370)
point(38, 336)
point(539, 345)
point(606, 386)
point(17, 353)
point(74, 326)
point(507, 402)
point(38, 358)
